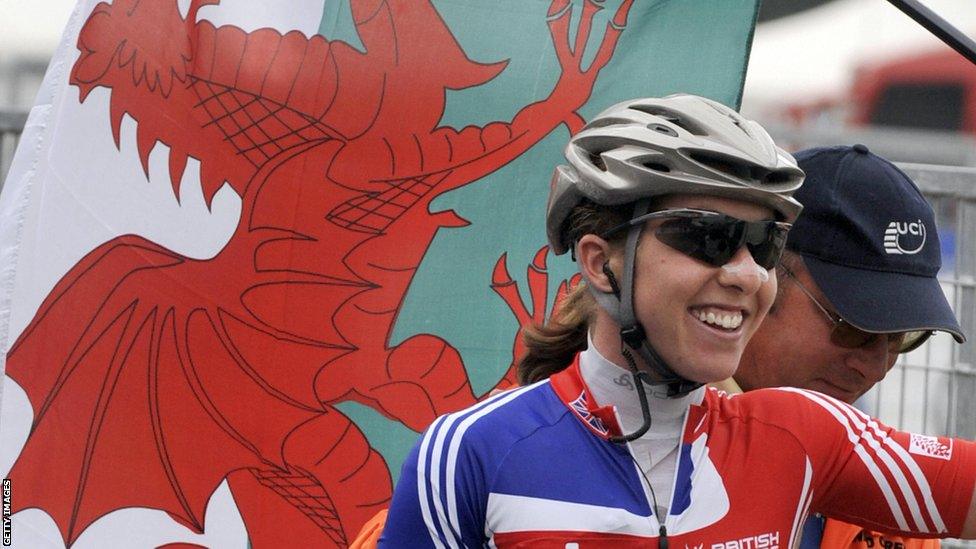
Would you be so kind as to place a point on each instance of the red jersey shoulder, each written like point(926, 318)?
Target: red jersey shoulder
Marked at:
point(798, 411)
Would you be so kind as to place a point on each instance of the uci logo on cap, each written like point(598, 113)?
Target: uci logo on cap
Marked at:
point(903, 237)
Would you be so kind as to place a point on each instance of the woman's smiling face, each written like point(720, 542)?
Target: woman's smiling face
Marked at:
point(697, 316)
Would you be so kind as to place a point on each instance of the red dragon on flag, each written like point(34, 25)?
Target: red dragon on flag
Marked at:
point(154, 376)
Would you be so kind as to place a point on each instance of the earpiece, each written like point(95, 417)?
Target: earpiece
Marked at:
point(612, 279)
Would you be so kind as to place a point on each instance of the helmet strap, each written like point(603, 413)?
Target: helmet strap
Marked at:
point(620, 307)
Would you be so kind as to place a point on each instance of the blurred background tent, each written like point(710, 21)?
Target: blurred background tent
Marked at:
point(841, 69)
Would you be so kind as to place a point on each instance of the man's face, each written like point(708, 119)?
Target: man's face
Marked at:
point(792, 348)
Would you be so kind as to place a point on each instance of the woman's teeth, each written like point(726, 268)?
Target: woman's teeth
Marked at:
point(729, 321)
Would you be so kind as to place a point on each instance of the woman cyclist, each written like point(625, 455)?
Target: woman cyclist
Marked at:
point(676, 210)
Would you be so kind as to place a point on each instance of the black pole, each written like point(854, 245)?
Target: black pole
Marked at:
point(938, 26)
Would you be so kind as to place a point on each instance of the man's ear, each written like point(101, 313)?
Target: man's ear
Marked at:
point(592, 253)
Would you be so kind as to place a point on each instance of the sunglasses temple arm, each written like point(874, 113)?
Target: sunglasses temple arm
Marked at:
point(792, 276)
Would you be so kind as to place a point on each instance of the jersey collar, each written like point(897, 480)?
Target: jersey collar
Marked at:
point(574, 393)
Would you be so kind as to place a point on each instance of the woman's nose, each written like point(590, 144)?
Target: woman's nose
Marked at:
point(742, 272)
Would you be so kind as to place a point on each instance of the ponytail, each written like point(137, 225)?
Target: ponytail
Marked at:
point(552, 347)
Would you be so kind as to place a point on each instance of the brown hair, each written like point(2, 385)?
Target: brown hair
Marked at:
point(550, 348)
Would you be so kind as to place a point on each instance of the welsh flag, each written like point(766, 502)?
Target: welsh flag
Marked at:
point(249, 250)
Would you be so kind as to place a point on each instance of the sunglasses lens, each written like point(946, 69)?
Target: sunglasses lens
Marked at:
point(766, 241)
point(713, 240)
point(910, 341)
point(849, 337)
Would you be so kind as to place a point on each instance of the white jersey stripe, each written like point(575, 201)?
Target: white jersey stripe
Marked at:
point(874, 441)
point(859, 450)
point(803, 504)
point(452, 529)
point(422, 483)
point(923, 485)
point(912, 466)
point(530, 514)
point(451, 460)
point(435, 478)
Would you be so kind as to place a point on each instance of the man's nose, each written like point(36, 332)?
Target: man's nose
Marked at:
point(873, 359)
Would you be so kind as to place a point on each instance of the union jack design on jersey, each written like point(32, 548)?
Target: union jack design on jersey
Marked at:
point(526, 469)
point(581, 407)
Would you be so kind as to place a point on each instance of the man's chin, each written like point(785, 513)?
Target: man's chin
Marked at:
point(835, 390)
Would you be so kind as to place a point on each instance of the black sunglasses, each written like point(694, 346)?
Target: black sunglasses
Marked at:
point(846, 335)
point(713, 237)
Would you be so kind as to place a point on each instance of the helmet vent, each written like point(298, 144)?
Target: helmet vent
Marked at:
point(605, 122)
point(780, 177)
point(597, 160)
point(671, 116)
point(656, 166)
point(661, 128)
point(724, 165)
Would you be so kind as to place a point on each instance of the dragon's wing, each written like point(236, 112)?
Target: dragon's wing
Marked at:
point(134, 373)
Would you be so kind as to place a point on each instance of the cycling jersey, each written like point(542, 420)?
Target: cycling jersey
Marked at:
point(835, 534)
point(533, 468)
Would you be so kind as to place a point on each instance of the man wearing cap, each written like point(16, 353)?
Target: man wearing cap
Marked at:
point(857, 286)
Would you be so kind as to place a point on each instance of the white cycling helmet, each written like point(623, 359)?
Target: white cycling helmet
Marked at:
point(679, 144)
point(640, 149)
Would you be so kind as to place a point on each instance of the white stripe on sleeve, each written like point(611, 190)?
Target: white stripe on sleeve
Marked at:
point(859, 450)
point(422, 483)
point(452, 453)
point(803, 505)
point(912, 466)
point(451, 526)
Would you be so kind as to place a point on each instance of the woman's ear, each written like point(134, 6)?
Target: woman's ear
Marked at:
point(592, 253)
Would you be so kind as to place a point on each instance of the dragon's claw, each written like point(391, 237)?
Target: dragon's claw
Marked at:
point(527, 315)
point(499, 275)
point(558, 9)
point(538, 278)
point(619, 21)
point(590, 8)
point(539, 261)
point(575, 82)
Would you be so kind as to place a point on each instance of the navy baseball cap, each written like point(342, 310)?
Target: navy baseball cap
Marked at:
point(868, 238)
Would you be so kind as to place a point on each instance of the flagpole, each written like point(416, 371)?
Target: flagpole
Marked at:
point(938, 26)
